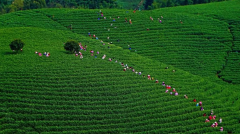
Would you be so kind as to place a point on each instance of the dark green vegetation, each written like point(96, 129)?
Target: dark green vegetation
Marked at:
point(7, 6)
point(16, 45)
point(65, 94)
point(72, 46)
point(130, 4)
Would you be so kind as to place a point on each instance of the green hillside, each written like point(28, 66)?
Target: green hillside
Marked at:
point(128, 4)
point(65, 94)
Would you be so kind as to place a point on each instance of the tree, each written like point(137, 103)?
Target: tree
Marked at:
point(147, 4)
point(72, 46)
point(18, 4)
point(34, 4)
point(156, 5)
point(11, 8)
point(170, 3)
point(188, 2)
point(16, 45)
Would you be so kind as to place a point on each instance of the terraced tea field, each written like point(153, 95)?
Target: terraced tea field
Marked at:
point(65, 94)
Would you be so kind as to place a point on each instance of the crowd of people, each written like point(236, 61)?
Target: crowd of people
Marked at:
point(169, 89)
point(47, 54)
point(211, 116)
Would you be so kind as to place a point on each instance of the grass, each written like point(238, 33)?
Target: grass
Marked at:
point(65, 94)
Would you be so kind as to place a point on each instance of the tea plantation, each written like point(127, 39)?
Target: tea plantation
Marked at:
point(62, 93)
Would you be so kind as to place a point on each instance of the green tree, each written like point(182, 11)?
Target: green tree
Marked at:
point(170, 3)
point(188, 2)
point(72, 46)
point(18, 4)
point(16, 45)
point(148, 4)
point(10, 8)
point(34, 4)
point(58, 5)
point(156, 5)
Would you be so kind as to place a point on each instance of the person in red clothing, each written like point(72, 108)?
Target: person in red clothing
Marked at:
point(126, 20)
point(156, 81)
point(204, 114)
point(210, 117)
point(194, 100)
point(149, 77)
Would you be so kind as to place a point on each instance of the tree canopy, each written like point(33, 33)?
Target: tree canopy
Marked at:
point(72, 46)
point(148, 4)
point(16, 45)
point(7, 6)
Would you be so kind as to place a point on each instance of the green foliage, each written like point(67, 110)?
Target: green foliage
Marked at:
point(34, 4)
point(148, 4)
point(16, 45)
point(10, 8)
point(72, 46)
point(63, 94)
point(18, 4)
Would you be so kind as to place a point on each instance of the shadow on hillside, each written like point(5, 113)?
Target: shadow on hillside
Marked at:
point(66, 52)
point(9, 53)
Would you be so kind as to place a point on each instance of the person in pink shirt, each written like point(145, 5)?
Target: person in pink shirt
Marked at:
point(221, 129)
point(91, 52)
point(214, 117)
point(206, 120)
point(174, 90)
point(213, 125)
point(176, 94)
point(200, 103)
point(166, 91)
point(216, 124)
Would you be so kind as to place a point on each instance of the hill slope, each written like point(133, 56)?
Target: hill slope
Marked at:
point(65, 94)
